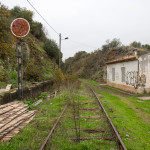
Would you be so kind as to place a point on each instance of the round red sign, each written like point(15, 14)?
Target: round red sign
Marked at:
point(20, 27)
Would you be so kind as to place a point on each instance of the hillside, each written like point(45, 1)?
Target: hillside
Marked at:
point(39, 54)
point(93, 65)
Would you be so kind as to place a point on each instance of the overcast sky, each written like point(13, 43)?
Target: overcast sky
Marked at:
point(91, 22)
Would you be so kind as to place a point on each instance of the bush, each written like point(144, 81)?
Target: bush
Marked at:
point(52, 50)
point(111, 44)
point(72, 80)
point(3, 75)
point(37, 31)
point(33, 72)
point(18, 12)
point(13, 75)
point(13, 78)
point(58, 76)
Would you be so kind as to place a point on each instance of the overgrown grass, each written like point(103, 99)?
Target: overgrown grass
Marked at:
point(32, 136)
point(143, 105)
point(134, 132)
point(69, 126)
point(93, 83)
point(2, 85)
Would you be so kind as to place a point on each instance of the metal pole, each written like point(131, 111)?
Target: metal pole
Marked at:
point(19, 67)
point(59, 49)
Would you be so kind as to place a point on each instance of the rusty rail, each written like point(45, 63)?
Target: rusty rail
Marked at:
point(52, 130)
point(109, 120)
point(92, 138)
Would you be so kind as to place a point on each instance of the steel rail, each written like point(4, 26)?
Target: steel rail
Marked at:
point(109, 120)
point(52, 130)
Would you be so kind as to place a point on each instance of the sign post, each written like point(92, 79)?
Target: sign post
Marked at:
point(19, 28)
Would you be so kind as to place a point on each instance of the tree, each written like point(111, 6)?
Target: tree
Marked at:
point(80, 54)
point(5, 39)
point(37, 31)
point(111, 44)
point(36, 27)
point(52, 50)
point(146, 46)
point(136, 44)
point(18, 12)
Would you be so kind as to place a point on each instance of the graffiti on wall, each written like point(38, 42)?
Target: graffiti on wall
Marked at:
point(133, 78)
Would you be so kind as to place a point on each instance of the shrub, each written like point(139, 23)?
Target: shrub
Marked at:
point(13, 75)
point(3, 75)
point(37, 31)
point(72, 80)
point(33, 72)
point(52, 50)
point(58, 76)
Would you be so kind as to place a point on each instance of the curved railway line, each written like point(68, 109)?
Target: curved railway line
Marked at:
point(104, 131)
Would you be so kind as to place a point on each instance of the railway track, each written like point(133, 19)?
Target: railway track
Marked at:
point(84, 120)
point(122, 146)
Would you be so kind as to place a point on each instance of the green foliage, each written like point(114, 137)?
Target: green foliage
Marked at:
point(37, 65)
point(13, 75)
point(80, 55)
point(146, 46)
point(52, 50)
point(37, 31)
point(58, 76)
point(136, 44)
point(111, 44)
point(5, 38)
point(29, 103)
point(3, 75)
point(139, 45)
point(43, 95)
point(33, 72)
point(3, 85)
point(127, 120)
point(46, 115)
point(72, 80)
point(18, 12)
point(36, 27)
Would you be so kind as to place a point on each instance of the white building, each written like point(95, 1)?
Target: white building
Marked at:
point(130, 73)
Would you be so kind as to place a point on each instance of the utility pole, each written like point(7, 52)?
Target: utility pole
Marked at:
point(59, 50)
point(60, 39)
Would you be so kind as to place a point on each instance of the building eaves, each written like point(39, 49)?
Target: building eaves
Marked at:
point(122, 59)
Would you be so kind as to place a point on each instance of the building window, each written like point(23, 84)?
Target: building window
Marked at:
point(113, 74)
point(123, 74)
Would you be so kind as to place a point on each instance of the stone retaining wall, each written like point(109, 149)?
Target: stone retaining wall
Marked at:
point(27, 92)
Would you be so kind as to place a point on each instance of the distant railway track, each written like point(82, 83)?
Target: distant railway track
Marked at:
point(113, 136)
point(125, 92)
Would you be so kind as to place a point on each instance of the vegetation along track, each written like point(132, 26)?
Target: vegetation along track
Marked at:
point(84, 124)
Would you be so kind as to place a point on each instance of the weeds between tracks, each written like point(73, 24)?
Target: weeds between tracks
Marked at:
point(83, 125)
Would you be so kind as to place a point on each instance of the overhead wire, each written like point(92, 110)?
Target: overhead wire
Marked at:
point(55, 30)
point(42, 17)
point(80, 43)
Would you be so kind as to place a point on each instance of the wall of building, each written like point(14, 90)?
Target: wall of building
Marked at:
point(130, 68)
point(144, 70)
point(136, 78)
point(126, 79)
